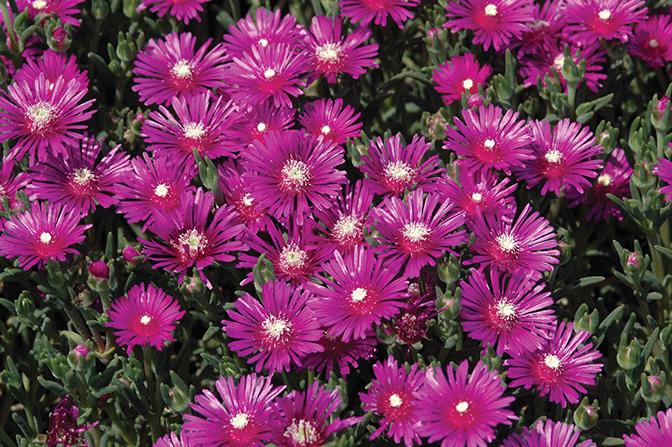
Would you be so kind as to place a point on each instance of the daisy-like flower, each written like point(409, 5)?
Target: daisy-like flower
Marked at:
point(254, 123)
point(276, 332)
point(331, 120)
point(290, 173)
point(461, 74)
point(462, 409)
point(332, 54)
point(417, 232)
point(652, 41)
point(526, 244)
point(155, 186)
point(480, 193)
point(200, 123)
point(509, 313)
point(192, 238)
point(549, 434)
point(262, 30)
point(43, 117)
point(393, 168)
point(239, 418)
point(172, 67)
point(565, 157)
point(42, 233)
point(392, 395)
point(543, 31)
point(356, 293)
point(82, 179)
point(663, 171)
point(272, 73)
point(145, 316)
point(65, 10)
point(494, 22)
point(307, 417)
point(657, 430)
point(344, 223)
point(561, 368)
point(339, 355)
point(237, 195)
point(10, 184)
point(489, 139)
point(614, 179)
point(182, 10)
point(378, 11)
point(590, 20)
point(53, 66)
point(173, 440)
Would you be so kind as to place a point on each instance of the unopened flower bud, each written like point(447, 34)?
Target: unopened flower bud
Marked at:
point(129, 253)
point(586, 415)
point(634, 260)
point(652, 388)
point(80, 351)
point(475, 100)
point(99, 270)
point(628, 356)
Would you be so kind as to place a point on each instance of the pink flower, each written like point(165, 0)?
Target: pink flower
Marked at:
point(331, 120)
point(146, 316)
point(262, 30)
point(461, 74)
point(65, 10)
point(53, 66)
point(173, 440)
point(182, 10)
point(652, 39)
point(63, 426)
point(590, 20)
point(663, 171)
point(256, 121)
point(236, 192)
point(10, 184)
point(654, 431)
point(99, 270)
point(548, 434)
point(377, 11)
point(340, 356)
point(543, 31)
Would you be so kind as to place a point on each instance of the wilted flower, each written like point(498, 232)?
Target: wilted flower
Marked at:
point(63, 426)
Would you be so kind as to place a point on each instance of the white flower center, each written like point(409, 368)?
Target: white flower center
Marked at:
point(467, 84)
point(182, 69)
point(462, 407)
point(195, 241)
point(653, 43)
point(605, 14)
point(358, 295)
point(329, 52)
point(552, 361)
point(477, 197)
point(82, 176)
point(491, 10)
point(161, 190)
point(395, 401)
point(248, 199)
point(239, 421)
point(553, 156)
point(346, 226)
point(325, 129)
point(39, 4)
point(400, 171)
point(269, 73)
point(295, 173)
point(505, 309)
point(489, 143)
point(45, 237)
point(145, 319)
point(194, 131)
point(416, 231)
point(292, 256)
point(261, 127)
point(507, 243)
point(604, 180)
point(559, 61)
point(263, 42)
point(40, 115)
point(275, 327)
point(302, 433)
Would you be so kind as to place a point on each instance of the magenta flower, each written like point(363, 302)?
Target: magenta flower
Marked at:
point(343, 223)
point(192, 238)
point(417, 232)
point(356, 293)
point(393, 168)
point(543, 31)
point(652, 41)
point(239, 418)
point(173, 440)
point(82, 179)
point(663, 171)
point(53, 66)
point(155, 186)
point(561, 368)
point(271, 73)
point(63, 426)
point(656, 430)
point(253, 124)
point(42, 233)
point(377, 11)
point(461, 74)
point(565, 157)
point(494, 22)
point(591, 20)
point(10, 184)
point(392, 395)
point(172, 67)
point(182, 10)
point(511, 314)
point(307, 417)
point(340, 356)
point(290, 173)
point(462, 409)
point(614, 179)
point(145, 316)
point(65, 10)
point(237, 195)
point(43, 117)
point(200, 123)
point(548, 434)
point(528, 244)
point(265, 29)
point(332, 54)
point(331, 120)
point(277, 332)
point(488, 139)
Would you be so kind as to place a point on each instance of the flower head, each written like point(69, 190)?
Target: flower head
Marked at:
point(255, 122)
point(236, 192)
point(63, 426)
point(657, 430)
point(461, 74)
point(663, 171)
point(339, 355)
point(53, 66)
point(548, 434)
point(65, 10)
point(590, 20)
point(331, 120)
point(264, 29)
point(10, 184)
point(543, 31)
point(378, 11)
point(652, 41)
point(182, 10)
point(173, 440)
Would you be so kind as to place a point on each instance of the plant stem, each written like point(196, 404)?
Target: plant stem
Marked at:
point(154, 415)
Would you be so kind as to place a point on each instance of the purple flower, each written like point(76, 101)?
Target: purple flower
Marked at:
point(340, 356)
point(173, 440)
point(63, 426)
point(262, 30)
point(331, 120)
point(53, 66)
point(663, 171)
point(236, 192)
point(561, 368)
point(377, 11)
point(543, 31)
point(182, 10)
point(65, 10)
point(591, 20)
point(652, 39)
point(256, 121)
point(654, 431)
point(10, 184)
point(548, 434)
point(461, 74)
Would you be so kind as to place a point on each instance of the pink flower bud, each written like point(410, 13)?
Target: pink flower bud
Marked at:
point(130, 253)
point(80, 351)
point(475, 100)
point(99, 269)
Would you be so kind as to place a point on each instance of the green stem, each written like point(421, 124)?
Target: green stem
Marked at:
point(9, 26)
point(154, 414)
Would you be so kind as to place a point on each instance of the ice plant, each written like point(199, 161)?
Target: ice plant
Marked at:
point(182, 10)
point(459, 408)
point(378, 11)
point(494, 22)
point(53, 66)
point(528, 244)
point(565, 157)
point(64, 10)
point(393, 397)
point(459, 75)
point(333, 54)
point(656, 430)
point(145, 316)
point(418, 231)
point(548, 434)
point(341, 356)
point(42, 233)
point(511, 314)
point(664, 171)
point(63, 426)
point(173, 67)
point(82, 179)
point(590, 20)
point(392, 167)
point(543, 30)
point(561, 368)
point(489, 139)
point(263, 29)
point(42, 117)
point(290, 173)
point(237, 195)
point(173, 440)
point(255, 122)
point(238, 418)
point(331, 120)
point(356, 293)
point(9, 185)
point(652, 41)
